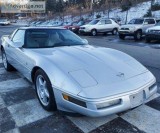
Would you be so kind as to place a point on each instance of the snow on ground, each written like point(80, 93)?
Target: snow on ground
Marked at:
point(134, 12)
point(156, 14)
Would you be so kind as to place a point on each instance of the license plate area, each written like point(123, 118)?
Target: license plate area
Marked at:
point(136, 99)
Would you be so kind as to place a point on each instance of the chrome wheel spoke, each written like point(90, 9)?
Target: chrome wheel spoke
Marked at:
point(40, 82)
point(45, 99)
point(42, 90)
point(46, 92)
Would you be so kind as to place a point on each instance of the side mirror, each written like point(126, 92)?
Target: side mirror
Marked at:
point(85, 41)
point(18, 44)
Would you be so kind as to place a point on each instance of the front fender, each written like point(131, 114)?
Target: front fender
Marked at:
point(58, 78)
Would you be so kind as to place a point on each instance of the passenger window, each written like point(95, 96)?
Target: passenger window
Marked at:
point(19, 36)
point(108, 22)
point(102, 22)
point(149, 21)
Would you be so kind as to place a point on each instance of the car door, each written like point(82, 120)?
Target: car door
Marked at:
point(18, 53)
point(147, 24)
point(108, 25)
point(101, 26)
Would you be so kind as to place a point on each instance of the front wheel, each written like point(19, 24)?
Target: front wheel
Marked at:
point(138, 35)
point(44, 91)
point(147, 40)
point(121, 36)
point(6, 65)
point(114, 31)
point(94, 32)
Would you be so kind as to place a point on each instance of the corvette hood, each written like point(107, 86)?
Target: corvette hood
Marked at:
point(94, 68)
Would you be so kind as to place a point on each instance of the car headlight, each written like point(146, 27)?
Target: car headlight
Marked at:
point(73, 28)
point(108, 104)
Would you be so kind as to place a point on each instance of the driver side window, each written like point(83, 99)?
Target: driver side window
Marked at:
point(19, 36)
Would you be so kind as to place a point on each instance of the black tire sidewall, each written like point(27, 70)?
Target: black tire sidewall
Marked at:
point(9, 67)
point(147, 40)
point(95, 32)
point(115, 29)
point(52, 103)
point(121, 36)
point(136, 33)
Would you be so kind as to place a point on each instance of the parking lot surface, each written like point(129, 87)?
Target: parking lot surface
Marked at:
point(20, 110)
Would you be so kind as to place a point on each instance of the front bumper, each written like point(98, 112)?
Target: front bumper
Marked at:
point(128, 100)
point(153, 36)
point(126, 32)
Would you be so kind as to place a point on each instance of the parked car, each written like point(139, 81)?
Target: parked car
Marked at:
point(68, 24)
point(136, 28)
point(100, 26)
point(153, 33)
point(4, 22)
point(75, 28)
point(60, 65)
point(57, 24)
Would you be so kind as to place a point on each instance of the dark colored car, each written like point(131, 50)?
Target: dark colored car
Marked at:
point(75, 28)
point(153, 33)
point(68, 24)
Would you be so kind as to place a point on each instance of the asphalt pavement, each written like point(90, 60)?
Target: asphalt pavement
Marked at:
point(20, 110)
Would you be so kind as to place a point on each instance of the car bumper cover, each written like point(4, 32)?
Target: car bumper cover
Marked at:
point(99, 107)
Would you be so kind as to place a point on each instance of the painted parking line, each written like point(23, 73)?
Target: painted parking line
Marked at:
point(117, 125)
point(10, 85)
point(28, 112)
point(145, 118)
point(87, 124)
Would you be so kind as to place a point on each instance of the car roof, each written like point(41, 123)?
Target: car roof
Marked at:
point(26, 28)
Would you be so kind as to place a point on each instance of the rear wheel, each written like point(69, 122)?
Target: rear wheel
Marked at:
point(44, 91)
point(94, 32)
point(114, 31)
point(121, 36)
point(138, 35)
point(6, 65)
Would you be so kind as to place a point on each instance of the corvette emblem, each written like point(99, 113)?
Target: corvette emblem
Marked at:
point(120, 74)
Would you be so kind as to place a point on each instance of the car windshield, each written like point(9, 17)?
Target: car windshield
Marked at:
point(158, 24)
point(93, 22)
point(136, 21)
point(80, 23)
point(46, 38)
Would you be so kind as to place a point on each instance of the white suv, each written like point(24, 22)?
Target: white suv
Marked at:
point(136, 28)
point(100, 26)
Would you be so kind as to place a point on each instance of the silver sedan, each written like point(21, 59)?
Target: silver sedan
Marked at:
point(72, 76)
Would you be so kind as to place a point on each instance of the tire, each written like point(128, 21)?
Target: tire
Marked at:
point(138, 35)
point(121, 36)
point(114, 31)
point(147, 40)
point(6, 64)
point(94, 32)
point(44, 91)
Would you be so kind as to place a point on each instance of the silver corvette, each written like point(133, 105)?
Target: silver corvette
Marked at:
point(72, 76)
